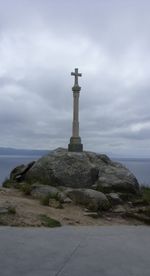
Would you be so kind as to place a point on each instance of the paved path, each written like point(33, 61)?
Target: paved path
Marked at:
point(75, 251)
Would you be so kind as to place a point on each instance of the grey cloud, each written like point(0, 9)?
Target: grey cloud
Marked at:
point(41, 42)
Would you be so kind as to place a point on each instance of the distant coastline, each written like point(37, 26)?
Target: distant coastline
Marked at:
point(11, 157)
point(22, 152)
point(40, 152)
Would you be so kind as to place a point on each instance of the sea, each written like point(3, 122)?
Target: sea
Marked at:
point(9, 162)
point(139, 167)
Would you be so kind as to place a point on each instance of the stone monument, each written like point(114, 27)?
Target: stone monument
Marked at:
point(75, 141)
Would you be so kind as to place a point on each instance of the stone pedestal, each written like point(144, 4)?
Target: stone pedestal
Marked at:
point(75, 144)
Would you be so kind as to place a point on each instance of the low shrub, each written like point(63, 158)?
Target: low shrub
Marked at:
point(26, 188)
point(7, 183)
point(49, 222)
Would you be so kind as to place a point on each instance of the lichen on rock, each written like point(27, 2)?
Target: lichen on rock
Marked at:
point(82, 170)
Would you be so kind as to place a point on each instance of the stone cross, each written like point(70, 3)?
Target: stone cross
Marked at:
point(75, 141)
point(76, 74)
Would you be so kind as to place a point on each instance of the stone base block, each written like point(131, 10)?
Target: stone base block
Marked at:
point(75, 147)
point(75, 144)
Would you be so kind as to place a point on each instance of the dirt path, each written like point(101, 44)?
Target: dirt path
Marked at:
point(28, 211)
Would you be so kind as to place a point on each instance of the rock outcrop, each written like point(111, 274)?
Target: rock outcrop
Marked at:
point(64, 168)
point(116, 177)
point(40, 191)
point(81, 170)
point(93, 200)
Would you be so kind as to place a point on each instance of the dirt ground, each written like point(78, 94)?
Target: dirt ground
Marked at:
point(28, 211)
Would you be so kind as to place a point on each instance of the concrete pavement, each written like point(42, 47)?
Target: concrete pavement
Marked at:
point(75, 251)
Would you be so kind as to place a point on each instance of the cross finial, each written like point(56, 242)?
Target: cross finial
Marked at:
point(76, 75)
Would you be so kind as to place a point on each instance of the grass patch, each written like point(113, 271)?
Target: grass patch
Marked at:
point(49, 222)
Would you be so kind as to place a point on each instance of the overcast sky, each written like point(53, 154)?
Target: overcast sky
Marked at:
point(42, 41)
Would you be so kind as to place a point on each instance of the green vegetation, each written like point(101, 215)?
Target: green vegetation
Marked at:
point(7, 183)
point(145, 194)
point(49, 222)
point(26, 188)
point(45, 200)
